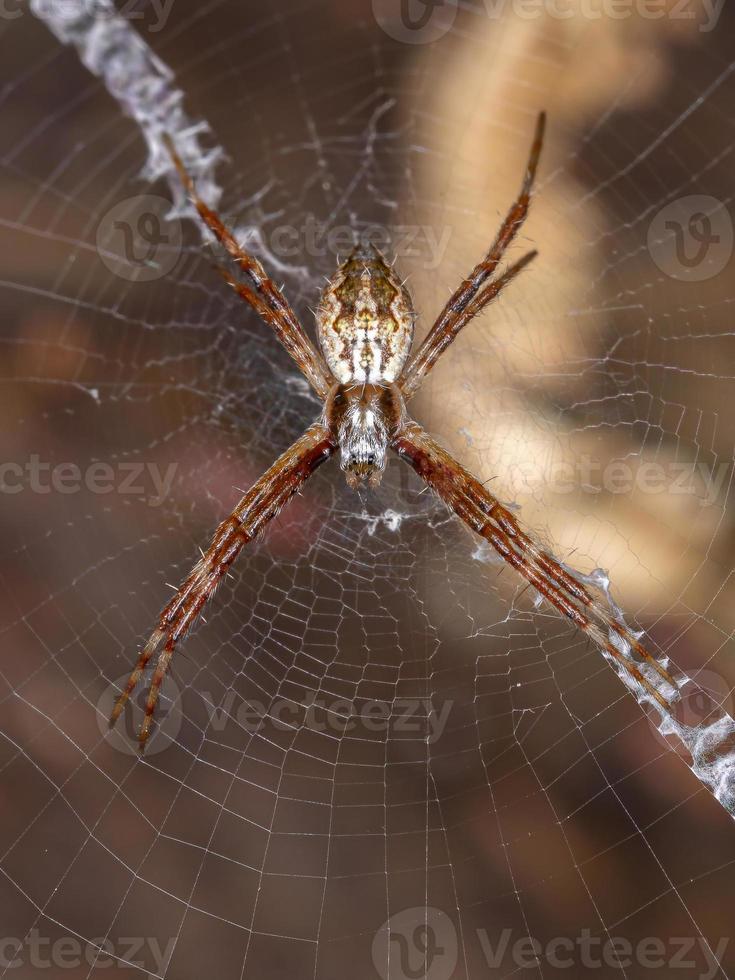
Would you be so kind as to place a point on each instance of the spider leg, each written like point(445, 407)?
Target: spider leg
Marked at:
point(259, 506)
point(445, 338)
point(454, 315)
point(485, 515)
point(281, 315)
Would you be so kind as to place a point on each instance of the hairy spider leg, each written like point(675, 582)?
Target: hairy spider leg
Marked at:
point(486, 516)
point(452, 318)
point(282, 318)
point(254, 511)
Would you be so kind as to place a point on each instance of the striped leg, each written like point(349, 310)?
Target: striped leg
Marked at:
point(256, 509)
point(485, 515)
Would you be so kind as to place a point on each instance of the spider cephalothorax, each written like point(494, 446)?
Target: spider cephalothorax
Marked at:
point(365, 377)
point(363, 420)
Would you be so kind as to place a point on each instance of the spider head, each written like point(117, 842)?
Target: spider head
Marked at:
point(363, 419)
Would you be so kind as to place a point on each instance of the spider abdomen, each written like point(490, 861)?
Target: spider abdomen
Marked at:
point(365, 320)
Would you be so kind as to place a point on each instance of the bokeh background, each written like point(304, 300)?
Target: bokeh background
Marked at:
point(515, 789)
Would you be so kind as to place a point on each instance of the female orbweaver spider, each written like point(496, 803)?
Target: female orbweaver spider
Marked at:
point(364, 377)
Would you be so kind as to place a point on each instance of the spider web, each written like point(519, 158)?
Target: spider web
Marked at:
point(380, 757)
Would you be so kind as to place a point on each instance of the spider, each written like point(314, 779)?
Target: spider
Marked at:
point(364, 377)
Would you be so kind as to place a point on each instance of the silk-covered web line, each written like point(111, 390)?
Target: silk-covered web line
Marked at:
point(376, 717)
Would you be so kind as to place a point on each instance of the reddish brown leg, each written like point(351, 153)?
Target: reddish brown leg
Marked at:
point(259, 506)
point(286, 337)
point(485, 515)
point(281, 315)
point(453, 317)
point(445, 338)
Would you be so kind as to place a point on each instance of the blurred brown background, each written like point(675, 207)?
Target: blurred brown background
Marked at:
point(548, 805)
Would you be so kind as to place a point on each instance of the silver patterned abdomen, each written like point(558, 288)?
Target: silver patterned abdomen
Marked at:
point(365, 320)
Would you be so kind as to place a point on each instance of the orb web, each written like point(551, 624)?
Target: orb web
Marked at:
point(380, 754)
